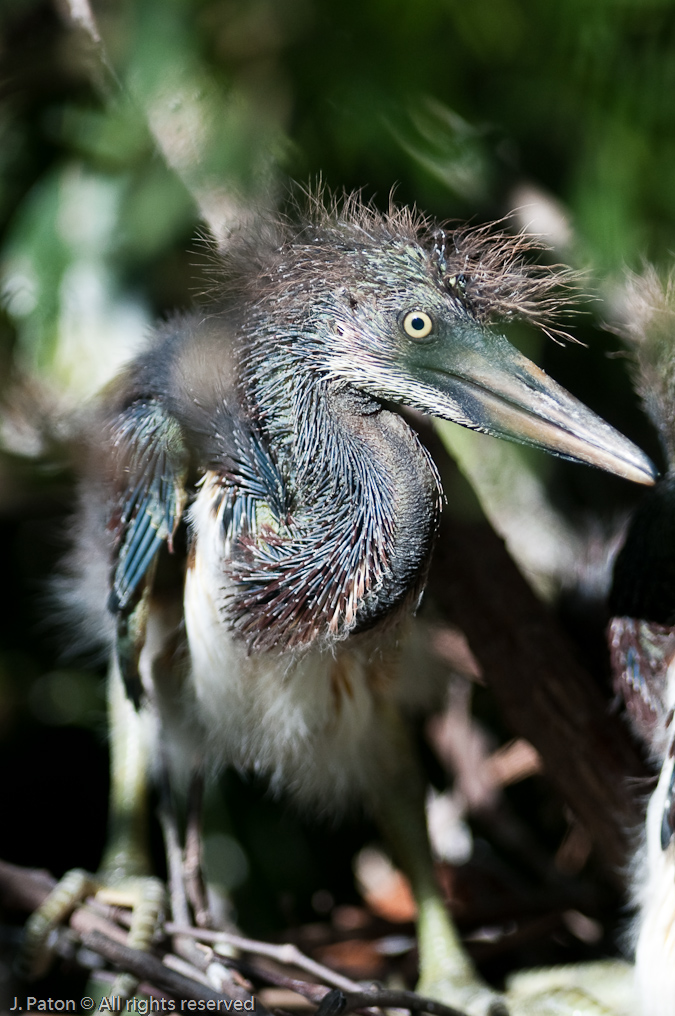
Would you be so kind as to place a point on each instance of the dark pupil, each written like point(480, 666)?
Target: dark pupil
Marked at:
point(418, 324)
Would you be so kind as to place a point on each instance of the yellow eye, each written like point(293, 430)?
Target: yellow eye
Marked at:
point(417, 324)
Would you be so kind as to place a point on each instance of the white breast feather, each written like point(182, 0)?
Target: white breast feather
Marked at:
point(310, 721)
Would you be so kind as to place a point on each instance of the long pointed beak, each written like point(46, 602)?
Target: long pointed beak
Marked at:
point(483, 382)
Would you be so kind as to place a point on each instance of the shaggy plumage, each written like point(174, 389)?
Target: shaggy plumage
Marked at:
point(492, 274)
point(272, 391)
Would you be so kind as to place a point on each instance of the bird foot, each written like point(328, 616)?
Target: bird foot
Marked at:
point(145, 897)
point(36, 951)
point(472, 997)
point(561, 1002)
point(597, 988)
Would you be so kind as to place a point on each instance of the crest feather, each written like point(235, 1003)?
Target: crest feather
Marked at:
point(492, 272)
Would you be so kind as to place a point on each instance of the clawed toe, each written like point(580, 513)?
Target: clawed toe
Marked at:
point(36, 951)
point(474, 998)
point(144, 896)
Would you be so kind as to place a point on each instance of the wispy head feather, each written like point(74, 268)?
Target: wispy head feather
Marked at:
point(499, 279)
point(491, 272)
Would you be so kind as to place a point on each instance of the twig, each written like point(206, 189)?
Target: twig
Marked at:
point(27, 888)
point(308, 989)
point(185, 946)
point(182, 966)
point(337, 1003)
point(288, 954)
point(145, 966)
point(183, 123)
point(115, 914)
point(334, 1002)
point(81, 14)
point(24, 888)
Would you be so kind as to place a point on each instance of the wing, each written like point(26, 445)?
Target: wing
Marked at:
point(150, 466)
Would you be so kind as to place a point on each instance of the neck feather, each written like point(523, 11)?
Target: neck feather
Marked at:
point(331, 516)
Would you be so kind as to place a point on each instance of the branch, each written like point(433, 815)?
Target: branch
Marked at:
point(337, 1003)
point(145, 966)
point(287, 954)
point(24, 888)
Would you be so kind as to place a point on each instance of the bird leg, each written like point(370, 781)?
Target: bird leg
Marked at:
point(126, 853)
point(193, 867)
point(446, 972)
point(182, 895)
point(124, 877)
point(126, 867)
point(190, 901)
point(397, 801)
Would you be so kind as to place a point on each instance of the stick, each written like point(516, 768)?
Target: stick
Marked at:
point(145, 966)
point(287, 954)
point(337, 1003)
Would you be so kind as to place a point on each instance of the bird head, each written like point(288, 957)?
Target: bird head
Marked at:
point(401, 311)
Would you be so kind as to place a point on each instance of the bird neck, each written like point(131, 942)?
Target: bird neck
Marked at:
point(362, 501)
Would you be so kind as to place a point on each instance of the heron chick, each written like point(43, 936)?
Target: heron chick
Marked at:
point(257, 517)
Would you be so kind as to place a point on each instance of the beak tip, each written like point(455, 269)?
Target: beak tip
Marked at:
point(652, 477)
point(639, 469)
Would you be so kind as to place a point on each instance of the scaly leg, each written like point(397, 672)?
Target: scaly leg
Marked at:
point(193, 867)
point(124, 877)
point(446, 972)
point(397, 801)
point(126, 853)
point(126, 867)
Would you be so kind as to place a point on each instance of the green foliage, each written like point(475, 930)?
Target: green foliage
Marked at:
point(455, 104)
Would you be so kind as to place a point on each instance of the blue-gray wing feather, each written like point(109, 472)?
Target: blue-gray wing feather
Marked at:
point(151, 464)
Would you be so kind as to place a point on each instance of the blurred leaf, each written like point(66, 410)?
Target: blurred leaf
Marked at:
point(448, 147)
